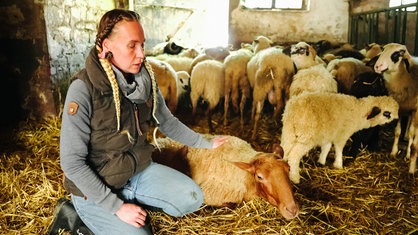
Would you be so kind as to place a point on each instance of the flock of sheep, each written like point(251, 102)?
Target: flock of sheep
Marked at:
point(322, 95)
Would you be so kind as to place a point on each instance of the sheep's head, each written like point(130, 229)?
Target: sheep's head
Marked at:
point(183, 80)
point(271, 179)
point(382, 110)
point(303, 55)
point(261, 42)
point(395, 57)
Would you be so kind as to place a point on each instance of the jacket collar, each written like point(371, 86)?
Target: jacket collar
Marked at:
point(96, 73)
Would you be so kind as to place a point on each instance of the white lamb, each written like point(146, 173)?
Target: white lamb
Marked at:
point(236, 81)
point(312, 76)
point(270, 73)
point(261, 42)
point(304, 55)
point(326, 119)
point(166, 79)
point(207, 81)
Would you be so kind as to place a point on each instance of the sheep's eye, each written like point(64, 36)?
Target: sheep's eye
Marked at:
point(396, 55)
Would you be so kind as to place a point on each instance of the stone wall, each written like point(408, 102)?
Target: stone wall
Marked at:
point(71, 31)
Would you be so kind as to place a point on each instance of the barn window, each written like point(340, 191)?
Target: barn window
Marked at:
point(396, 3)
point(276, 4)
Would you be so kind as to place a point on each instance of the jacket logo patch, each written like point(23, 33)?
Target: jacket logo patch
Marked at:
point(72, 108)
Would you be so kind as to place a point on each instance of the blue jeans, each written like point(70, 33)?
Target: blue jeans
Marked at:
point(157, 186)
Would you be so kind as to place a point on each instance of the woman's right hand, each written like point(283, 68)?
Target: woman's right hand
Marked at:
point(132, 214)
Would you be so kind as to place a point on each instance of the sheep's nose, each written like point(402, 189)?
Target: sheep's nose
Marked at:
point(386, 114)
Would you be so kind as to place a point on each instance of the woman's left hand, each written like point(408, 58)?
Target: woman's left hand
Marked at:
point(219, 140)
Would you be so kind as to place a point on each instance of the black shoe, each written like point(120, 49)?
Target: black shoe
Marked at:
point(67, 219)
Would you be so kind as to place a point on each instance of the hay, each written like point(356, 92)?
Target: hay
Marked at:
point(372, 194)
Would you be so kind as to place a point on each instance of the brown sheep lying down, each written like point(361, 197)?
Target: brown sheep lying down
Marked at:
point(233, 173)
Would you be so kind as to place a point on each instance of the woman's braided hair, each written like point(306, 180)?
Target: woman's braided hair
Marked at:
point(105, 28)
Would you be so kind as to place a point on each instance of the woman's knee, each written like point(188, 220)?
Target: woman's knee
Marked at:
point(189, 202)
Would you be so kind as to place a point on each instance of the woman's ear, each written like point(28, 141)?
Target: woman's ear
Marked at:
point(105, 48)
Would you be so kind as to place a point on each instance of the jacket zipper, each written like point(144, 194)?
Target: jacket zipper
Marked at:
point(138, 127)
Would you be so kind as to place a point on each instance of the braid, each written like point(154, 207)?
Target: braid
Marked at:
point(114, 84)
point(105, 27)
point(154, 88)
point(154, 99)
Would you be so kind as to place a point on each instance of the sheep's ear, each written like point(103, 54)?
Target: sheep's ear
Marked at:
point(406, 61)
point(313, 51)
point(277, 150)
point(245, 166)
point(374, 112)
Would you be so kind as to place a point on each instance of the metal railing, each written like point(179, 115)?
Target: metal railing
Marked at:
point(395, 24)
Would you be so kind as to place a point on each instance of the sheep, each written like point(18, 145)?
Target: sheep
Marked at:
point(218, 53)
point(371, 50)
point(183, 90)
point(400, 73)
point(236, 81)
point(312, 79)
point(326, 119)
point(413, 143)
point(270, 73)
point(234, 172)
point(181, 62)
point(183, 83)
point(166, 79)
point(261, 42)
point(345, 50)
point(365, 84)
point(303, 55)
point(344, 70)
point(312, 76)
point(207, 81)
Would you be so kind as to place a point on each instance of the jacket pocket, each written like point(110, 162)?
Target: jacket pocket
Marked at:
point(118, 170)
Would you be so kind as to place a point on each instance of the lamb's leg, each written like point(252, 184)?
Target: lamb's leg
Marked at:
point(411, 139)
point(414, 151)
point(226, 108)
point(413, 163)
point(293, 158)
point(241, 109)
point(396, 139)
point(411, 135)
point(324, 153)
point(338, 147)
point(259, 108)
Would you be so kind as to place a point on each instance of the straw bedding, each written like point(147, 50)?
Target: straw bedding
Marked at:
point(372, 194)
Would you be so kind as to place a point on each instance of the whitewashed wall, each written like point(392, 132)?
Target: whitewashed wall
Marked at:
point(71, 32)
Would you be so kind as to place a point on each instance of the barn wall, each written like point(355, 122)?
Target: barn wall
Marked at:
point(326, 19)
point(192, 23)
point(357, 6)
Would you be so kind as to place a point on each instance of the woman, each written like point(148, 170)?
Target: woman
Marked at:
point(104, 152)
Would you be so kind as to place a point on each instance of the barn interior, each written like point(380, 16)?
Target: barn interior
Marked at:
point(44, 43)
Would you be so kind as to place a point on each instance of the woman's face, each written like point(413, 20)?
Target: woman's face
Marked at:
point(126, 43)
